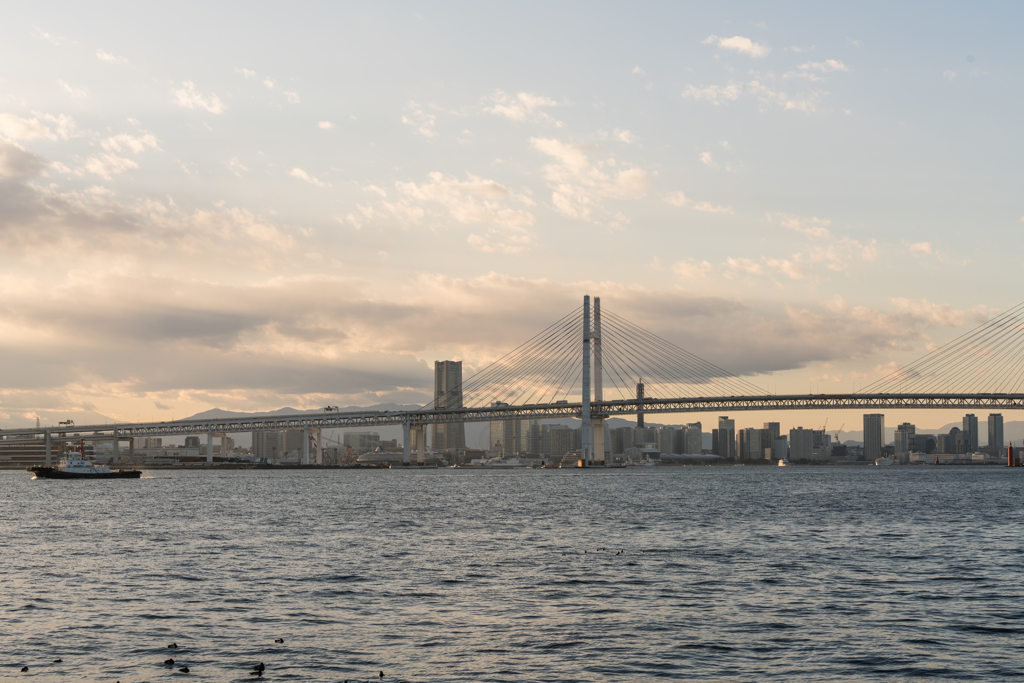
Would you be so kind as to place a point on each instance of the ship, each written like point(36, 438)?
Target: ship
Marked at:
point(74, 466)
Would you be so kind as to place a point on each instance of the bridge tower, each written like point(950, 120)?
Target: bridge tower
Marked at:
point(587, 428)
point(592, 429)
point(597, 428)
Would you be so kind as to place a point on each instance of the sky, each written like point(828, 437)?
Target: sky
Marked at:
point(246, 206)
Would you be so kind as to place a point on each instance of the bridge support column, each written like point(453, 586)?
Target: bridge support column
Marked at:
point(224, 445)
point(209, 447)
point(116, 457)
point(131, 450)
point(597, 423)
point(587, 434)
point(49, 445)
point(319, 444)
point(421, 444)
point(406, 442)
point(305, 447)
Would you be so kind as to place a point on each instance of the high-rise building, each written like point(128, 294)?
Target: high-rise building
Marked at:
point(191, 442)
point(293, 441)
point(726, 437)
point(995, 432)
point(557, 440)
point(622, 438)
point(874, 435)
point(694, 438)
point(362, 442)
point(750, 444)
point(267, 446)
point(903, 438)
point(970, 439)
point(448, 395)
point(958, 441)
point(801, 443)
point(780, 448)
point(667, 440)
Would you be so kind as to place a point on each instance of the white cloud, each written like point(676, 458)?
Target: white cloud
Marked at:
point(707, 160)
point(325, 125)
point(55, 40)
point(638, 70)
point(376, 190)
point(474, 200)
point(580, 186)
point(74, 92)
point(817, 71)
point(125, 142)
point(624, 136)
point(421, 121)
point(744, 264)
point(949, 75)
point(109, 58)
point(510, 240)
point(108, 165)
point(245, 72)
point(269, 82)
point(807, 103)
point(292, 97)
point(739, 44)
point(187, 96)
point(14, 127)
point(675, 199)
point(236, 167)
point(708, 207)
point(16, 162)
point(813, 226)
point(716, 94)
point(692, 269)
point(941, 314)
point(302, 175)
point(521, 107)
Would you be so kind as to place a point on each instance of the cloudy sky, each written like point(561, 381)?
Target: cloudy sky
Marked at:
point(248, 206)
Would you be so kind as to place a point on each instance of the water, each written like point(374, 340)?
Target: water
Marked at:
point(724, 574)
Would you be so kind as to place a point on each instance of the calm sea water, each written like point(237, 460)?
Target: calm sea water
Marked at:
point(699, 573)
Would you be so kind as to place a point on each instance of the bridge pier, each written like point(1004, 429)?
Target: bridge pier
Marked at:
point(597, 423)
point(421, 444)
point(406, 442)
point(49, 445)
point(587, 434)
point(305, 447)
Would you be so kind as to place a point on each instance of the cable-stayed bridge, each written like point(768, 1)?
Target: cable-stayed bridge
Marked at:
point(591, 367)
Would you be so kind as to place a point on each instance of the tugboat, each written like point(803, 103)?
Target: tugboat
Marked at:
point(76, 466)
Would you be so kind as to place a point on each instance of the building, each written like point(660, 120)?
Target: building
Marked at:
point(726, 437)
point(957, 441)
point(448, 395)
point(694, 438)
point(874, 435)
point(557, 440)
point(801, 442)
point(361, 442)
point(822, 446)
point(668, 440)
point(266, 446)
point(780, 448)
point(293, 441)
point(971, 437)
point(622, 438)
point(510, 437)
point(191, 442)
point(903, 438)
point(750, 444)
point(995, 432)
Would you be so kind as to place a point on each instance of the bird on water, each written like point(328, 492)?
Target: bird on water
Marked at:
point(168, 662)
point(24, 669)
point(279, 640)
point(173, 645)
point(381, 674)
point(259, 667)
point(183, 669)
point(58, 661)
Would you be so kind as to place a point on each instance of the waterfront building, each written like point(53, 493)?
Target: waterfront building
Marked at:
point(750, 444)
point(874, 435)
point(780, 448)
point(557, 440)
point(667, 437)
point(621, 439)
point(448, 395)
point(191, 442)
point(801, 442)
point(903, 438)
point(726, 437)
point(361, 442)
point(266, 446)
point(694, 438)
point(971, 437)
point(995, 432)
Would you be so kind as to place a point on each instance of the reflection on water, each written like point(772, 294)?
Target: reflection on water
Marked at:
point(699, 573)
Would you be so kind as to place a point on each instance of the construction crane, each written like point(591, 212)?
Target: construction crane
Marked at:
point(839, 432)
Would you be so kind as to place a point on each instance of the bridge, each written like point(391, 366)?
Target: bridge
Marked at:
point(563, 372)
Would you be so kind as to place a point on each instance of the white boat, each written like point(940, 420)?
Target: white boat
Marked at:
point(74, 466)
point(887, 460)
point(784, 462)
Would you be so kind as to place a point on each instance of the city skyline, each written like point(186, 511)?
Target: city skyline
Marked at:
point(314, 209)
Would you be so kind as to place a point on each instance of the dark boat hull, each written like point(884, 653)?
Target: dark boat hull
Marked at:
point(54, 473)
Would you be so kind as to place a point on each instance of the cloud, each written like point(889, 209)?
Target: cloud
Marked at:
point(109, 58)
point(421, 121)
point(624, 136)
point(716, 94)
point(828, 66)
point(692, 269)
point(16, 162)
point(676, 199)
point(269, 82)
point(921, 248)
point(949, 75)
point(125, 142)
point(922, 310)
point(813, 226)
point(74, 92)
point(476, 200)
point(708, 207)
point(187, 96)
point(739, 44)
point(108, 165)
point(16, 128)
point(639, 71)
point(325, 125)
point(513, 240)
point(236, 167)
point(705, 158)
point(292, 97)
point(521, 107)
point(245, 72)
point(302, 175)
point(579, 186)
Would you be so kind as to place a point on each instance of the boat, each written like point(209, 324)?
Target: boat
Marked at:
point(74, 466)
point(887, 460)
point(784, 462)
